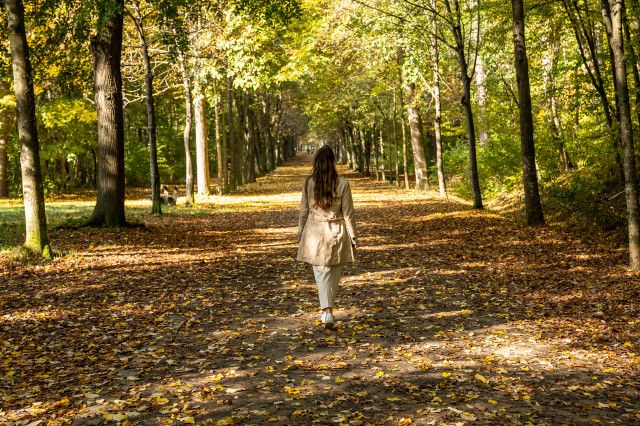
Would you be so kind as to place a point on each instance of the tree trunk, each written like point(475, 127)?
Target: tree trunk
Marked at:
point(395, 139)
point(415, 128)
point(376, 150)
point(405, 158)
point(626, 130)
point(481, 84)
point(106, 46)
point(36, 238)
point(202, 141)
point(437, 122)
point(527, 143)
point(456, 30)
point(4, 166)
point(154, 174)
point(220, 144)
point(366, 152)
point(233, 151)
point(186, 134)
point(382, 162)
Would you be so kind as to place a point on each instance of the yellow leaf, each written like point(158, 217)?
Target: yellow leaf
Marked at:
point(492, 401)
point(188, 420)
point(404, 421)
point(481, 378)
point(628, 344)
point(379, 374)
point(468, 416)
point(227, 421)
point(115, 417)
point(298, 412)
point(339, 380)
point(446, 374)
point(217, 377)
point(291, 390)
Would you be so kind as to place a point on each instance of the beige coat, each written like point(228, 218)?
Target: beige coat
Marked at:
point(326, 236)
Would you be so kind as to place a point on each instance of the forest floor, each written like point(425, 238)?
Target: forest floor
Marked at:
point(448, 316)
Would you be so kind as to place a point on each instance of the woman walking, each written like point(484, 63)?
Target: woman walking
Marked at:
point(326, 231)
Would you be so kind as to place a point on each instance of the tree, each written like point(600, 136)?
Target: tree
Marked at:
point(36, 238)
point(455, 26)
point(106, 46)
point(614, 10)
point(138, 20)
point(437, 121)
point(529, 173)
point(186, 135)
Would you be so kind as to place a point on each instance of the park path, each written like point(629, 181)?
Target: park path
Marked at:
point(449, 316)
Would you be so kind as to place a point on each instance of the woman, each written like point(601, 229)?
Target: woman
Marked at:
point(326, 231)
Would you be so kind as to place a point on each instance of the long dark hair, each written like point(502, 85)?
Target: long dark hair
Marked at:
point(325, 177)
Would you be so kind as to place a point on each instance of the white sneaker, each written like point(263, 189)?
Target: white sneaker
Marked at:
point(328, 319)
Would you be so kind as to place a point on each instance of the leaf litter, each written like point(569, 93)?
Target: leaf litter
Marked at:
point(449, 316)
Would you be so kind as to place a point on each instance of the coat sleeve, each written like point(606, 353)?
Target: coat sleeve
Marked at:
point(304, 210)
point(348, 214)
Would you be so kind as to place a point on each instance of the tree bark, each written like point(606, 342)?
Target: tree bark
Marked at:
point(456, 30)
point(220, 144)
point(233, 151)
point(405, 158)
point(154, 174)
point(415, 128)
point(395, 139)
point(383, 172)
point(202, 141)
point(437, 122)
point(106, 46)
point(5, 132)
point(626, 130)
point(36, 238)
point(186, 134)
point(527, 144)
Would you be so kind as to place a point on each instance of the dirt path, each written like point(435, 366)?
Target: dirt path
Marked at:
point(449, 316)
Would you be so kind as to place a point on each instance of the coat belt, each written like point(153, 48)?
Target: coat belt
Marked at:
point(320, 218)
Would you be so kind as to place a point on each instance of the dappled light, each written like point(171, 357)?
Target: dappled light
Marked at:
point(448, 315)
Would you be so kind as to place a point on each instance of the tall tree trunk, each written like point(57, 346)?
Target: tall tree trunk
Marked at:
point(437, 122)
point(456, 30)
point(405, 157)
point(383, 172)
point(415, 128)
point(395, 140)
point(366, 152)
point(527, 144)
point(36, 238)
point(481, 84)
point(106, 46)
point(233, 140)
point(64, 175)
point(376, 150)
point(4, 168)
point(220, 143)
point(626, 130)
point(154, 173)
point(548, 78)
point(186, 134)
point(202, 141)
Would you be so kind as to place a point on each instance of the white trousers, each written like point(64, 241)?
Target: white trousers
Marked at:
point(327, 278)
